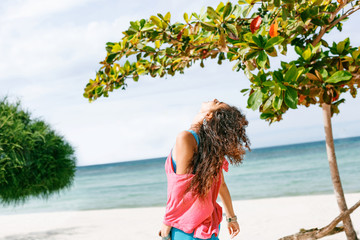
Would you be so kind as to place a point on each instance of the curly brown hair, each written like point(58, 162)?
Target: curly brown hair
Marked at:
point(223, 135)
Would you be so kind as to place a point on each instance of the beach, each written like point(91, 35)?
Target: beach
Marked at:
point(276, 192)
point(268, 218)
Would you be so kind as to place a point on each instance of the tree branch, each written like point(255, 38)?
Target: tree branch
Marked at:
point(348, 13)
point(325, 230)
point(324, 29)
point(330, 229)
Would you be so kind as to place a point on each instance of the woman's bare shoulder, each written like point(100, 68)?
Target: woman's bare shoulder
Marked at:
point(184, 135)
point(186, 138)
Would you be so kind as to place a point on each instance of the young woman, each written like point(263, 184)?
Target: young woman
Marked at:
point(195, 176)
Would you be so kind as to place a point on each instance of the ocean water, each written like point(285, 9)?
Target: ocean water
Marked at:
point(291, 170)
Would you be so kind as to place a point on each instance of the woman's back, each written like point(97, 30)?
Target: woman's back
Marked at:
point(197, 141)
point(183, 151)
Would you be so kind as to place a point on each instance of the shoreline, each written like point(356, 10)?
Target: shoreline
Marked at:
point(157, 206)
point(265, 218)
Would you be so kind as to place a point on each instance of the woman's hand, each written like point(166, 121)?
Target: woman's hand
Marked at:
point(234, 229)
point(165, 231)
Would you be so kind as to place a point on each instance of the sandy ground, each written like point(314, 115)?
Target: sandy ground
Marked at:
point(259, 219)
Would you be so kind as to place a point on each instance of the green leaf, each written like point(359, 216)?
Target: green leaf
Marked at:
point(318, 22)
point(268, 102)
point(284, 14)
point(244, 90)
point(167, 16)
point(248, 37)
point(157, 44)
point(255, 100)
point(247, 10)
point(277, 103)
point(355, 54)
point(142, 23)
point(291, 98)
point(298, 50)
point(277, 3)
point(127, 66)
point(315, 48)
point(267, 115)
point(248, 70)
point(271, 52)
point(307, 54)
point(134, 25)
point(136, 78)
point(219, 7)
point(232, 28)
point(268, 83)
point(262, 59)
point(291, 74)
point(212, 13)
point(116, 48)
point(149, 49)
point(278, 76)
point(274, 41)
point(195, 15)
point(160, 16)
point(340, 47)
point(208, 26)
point(186, 17)
point(324, 74)
point(148, 26)
point(258, 41)
point(156, 20)
point(227, 10)
point(277, 90)
point(305, 15)
point(111, 57)
point(339, 76)
point(318, 2)
point(251, 54)
point(131, 31)
point(237, 11)
point(282, 86)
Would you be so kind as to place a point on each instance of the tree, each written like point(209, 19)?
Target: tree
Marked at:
point(249, 33)
point(34, 159)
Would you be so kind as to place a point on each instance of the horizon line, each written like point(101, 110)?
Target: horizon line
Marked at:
point(258, 148)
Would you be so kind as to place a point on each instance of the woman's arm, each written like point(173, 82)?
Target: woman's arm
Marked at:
point(165, 231)
point(225, 197)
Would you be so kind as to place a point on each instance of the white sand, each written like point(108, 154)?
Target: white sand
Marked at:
point(259, 220)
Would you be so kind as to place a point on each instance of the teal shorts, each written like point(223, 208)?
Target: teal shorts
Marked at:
point(177, 234)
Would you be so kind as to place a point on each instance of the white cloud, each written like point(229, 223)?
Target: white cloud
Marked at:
point(24, 9)
point(36, 51)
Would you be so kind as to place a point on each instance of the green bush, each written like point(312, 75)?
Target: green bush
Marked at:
point(34, 160)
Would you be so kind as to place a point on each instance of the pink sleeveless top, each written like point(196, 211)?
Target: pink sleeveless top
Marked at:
point(187, 212)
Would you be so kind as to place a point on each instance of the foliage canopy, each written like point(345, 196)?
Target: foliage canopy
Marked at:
point(34, 160)
point(248, 33)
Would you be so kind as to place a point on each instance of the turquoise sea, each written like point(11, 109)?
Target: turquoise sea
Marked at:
point(291, 170)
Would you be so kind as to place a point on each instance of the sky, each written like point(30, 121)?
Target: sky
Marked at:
point(50, 49)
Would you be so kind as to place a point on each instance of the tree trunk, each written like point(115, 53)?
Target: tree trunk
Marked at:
point(335, 177)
